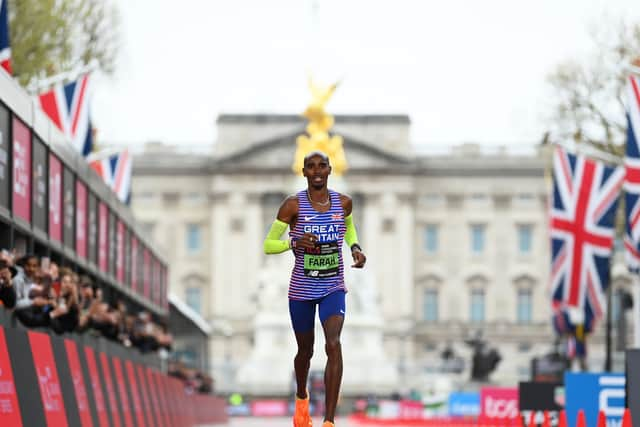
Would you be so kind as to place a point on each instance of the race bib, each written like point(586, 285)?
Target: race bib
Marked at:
point(322, 261)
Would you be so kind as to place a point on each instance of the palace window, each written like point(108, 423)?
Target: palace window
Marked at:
point(431, 239)
point(478, 232)
point(194, 238)
point(430, 305)
point(477, 306)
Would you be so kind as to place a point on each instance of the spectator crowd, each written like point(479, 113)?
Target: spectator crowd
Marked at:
point(40, 294)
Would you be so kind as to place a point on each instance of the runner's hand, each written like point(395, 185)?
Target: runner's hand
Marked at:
point(358, 258)
point(307, 241)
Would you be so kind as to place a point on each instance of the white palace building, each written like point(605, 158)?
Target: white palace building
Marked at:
point(456, 243)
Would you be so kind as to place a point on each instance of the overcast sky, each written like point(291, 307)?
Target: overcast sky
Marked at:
point(463, 70)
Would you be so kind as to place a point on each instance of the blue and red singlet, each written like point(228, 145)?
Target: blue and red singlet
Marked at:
point(319, 271)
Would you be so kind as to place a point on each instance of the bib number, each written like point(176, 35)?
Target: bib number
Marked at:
point(322, 261)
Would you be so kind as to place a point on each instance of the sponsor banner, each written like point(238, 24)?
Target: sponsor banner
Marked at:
point(5, 140)
point(39, 208)
point(135, 271)
point(92, 234)
point(50, 381)
point(9, 408)
point(123, 393)
point(593, 393)
point(163, 292)
point(55, 198)
point(66, 382)
point(103, 227)
point(173, 399)
point(388, 409)
point(111, 395)
point(96, 387)
point(146, 272)
point(154, 396)
point(127, 257)
point(169, 395)
point(154, 280)
point(411, 409)
point(499, 403)
point(242, 410)
point(81, 219)
point(47, 377)
point(77, 379)
point(21, 170)
point(269, 408)
point(633, 382)
point(120, 252)
point(135, 393)
point(111, 247)
point(25, 378)
point(541, 397)
point(464, 404)
point(146, 401)
point(164, 399)
point(68, 208)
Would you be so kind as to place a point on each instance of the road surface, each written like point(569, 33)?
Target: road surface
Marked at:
point(276, 422)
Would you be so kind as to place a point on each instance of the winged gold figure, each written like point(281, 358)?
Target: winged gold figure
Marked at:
point(317, 136)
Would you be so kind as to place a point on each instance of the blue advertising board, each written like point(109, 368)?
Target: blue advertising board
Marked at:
point(593, 393)
point(464, 404)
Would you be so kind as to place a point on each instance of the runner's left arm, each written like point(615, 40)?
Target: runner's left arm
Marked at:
point(351, 235)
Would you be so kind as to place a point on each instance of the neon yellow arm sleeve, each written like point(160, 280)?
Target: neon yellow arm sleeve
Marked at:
point(351, 235)
point(273, 244)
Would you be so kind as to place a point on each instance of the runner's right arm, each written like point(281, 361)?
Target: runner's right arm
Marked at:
point(287, 216)
point(273, 244)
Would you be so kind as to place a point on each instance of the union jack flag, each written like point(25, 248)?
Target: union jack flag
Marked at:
point(5, 47)
point(68, 107)
point(115, 170)
point(632, 180)
point(585, 196)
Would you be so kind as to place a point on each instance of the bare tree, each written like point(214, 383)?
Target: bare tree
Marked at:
point(54, 36)
point(590, 93)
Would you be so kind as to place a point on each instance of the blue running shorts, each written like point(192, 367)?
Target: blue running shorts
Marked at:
point(303, 313)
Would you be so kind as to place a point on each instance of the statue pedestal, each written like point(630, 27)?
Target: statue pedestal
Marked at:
point(269, 369)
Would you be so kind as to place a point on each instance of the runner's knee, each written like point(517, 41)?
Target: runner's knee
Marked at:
point(305, 352)
point(333, 346)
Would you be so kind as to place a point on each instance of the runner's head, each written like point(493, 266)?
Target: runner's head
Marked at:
point(316, 169)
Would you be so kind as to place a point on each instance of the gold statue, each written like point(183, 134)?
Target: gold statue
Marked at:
point(318, 131)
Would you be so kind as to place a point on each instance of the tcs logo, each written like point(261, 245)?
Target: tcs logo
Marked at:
point(500, 408)
point(497, 402)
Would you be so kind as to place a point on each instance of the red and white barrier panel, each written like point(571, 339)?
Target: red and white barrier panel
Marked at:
point(55, 382)
point(365, 421)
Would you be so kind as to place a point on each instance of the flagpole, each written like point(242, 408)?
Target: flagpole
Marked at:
point(634, 68)
point(635, 292)
point(607, 361)
point(587, 150)
point(40, 85)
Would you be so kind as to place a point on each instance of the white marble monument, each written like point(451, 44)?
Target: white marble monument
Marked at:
point(269, 368)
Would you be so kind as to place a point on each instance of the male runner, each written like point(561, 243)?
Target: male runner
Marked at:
point(319, 221)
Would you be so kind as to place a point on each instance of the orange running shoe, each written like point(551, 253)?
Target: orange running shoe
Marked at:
point(328, 424)
point(301, 418)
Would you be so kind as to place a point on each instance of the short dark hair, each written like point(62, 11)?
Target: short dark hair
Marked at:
point(4, 264)
point(22, 261)
point(314, 154)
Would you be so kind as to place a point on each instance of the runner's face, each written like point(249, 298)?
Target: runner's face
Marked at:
point(317, 170)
